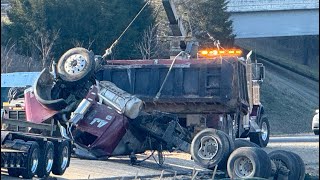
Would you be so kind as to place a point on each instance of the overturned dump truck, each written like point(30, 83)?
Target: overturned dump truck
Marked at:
point(220, 92)
point(196, 106)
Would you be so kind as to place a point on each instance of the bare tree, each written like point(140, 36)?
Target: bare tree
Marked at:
point(6, 61)
point(77, 43)
point(13, 62)
point(149, 44)
point(44, 43)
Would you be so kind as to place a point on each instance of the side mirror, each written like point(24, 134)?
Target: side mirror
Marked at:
point(262, 73)
point(258, 71)
point(248, 55)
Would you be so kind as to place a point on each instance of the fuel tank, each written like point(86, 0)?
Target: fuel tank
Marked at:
point(123, 102)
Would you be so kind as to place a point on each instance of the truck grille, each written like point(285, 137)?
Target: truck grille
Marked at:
point(21, 115)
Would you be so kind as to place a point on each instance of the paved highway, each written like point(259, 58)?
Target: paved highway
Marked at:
point(307, 146)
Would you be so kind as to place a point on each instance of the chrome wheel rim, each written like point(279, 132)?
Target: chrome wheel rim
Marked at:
point(49, 162)
point(243, 167)
point(264, 131)
point(75, 64)
point(34, 160)
point(209, 147)
point(65, 154)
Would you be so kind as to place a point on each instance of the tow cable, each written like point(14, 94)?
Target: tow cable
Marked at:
point(109, 50)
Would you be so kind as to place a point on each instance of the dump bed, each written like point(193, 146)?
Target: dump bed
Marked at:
point(192, 86)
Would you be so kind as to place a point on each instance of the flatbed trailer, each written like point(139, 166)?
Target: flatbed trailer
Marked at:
point(29, 154)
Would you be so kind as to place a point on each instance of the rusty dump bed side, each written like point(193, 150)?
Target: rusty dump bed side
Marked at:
point(193, 86)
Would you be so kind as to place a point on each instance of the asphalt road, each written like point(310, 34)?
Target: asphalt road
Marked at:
point(307, 146)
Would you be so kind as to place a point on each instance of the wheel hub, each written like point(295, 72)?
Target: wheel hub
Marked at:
point(35, 161)
point(75, 64)
point(49, 162)
point(243, 167)
point(65, 154)
point(209, 147)
point(264, 131)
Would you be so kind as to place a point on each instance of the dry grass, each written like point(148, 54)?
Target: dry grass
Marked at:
point(13, 62)
point(290, 57)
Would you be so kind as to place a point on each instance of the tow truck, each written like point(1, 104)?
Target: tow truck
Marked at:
point(212, 87)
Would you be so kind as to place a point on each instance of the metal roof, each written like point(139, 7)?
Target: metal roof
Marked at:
point(18, 79)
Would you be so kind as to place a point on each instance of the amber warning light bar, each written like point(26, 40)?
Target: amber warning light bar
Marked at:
point(216, 53)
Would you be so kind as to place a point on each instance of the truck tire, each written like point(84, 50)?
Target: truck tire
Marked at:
point(14, 172)
point(61, 158)
point(244, 143)
point(77, 64)
point(209, 147)
point(261, 139)
point(300, 165)
point(46, 160)
point(222, 165)
point(286, 159)
point(247, 162)
point(32, 160)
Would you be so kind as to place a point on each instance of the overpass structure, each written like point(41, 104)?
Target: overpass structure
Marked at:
point(274, 18)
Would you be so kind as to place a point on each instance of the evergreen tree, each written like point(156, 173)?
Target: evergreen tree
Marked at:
point(92, 24)
point(210, 16)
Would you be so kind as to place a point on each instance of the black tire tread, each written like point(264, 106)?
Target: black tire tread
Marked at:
point(223, 144)
point(300, 165)
point(256, 137)
point(288, 159)
point(57, 159)
point(42, 166)
point(244, 143)
point(222, 165)
point(258, 157)
point(25, 172)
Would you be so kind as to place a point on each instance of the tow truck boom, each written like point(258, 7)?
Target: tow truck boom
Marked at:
point(187, 44)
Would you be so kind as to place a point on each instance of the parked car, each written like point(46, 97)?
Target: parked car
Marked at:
point(315, 123)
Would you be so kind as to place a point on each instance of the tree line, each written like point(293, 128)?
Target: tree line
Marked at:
point(45, 29)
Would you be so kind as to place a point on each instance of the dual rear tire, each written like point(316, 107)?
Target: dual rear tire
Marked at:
point(54, 159)
point(42, 161)
point(32, 161)
point(211, 147)
point(291, 162)
point(46, 161)
point(248, 162)
point(252, 162)
point(61, 158)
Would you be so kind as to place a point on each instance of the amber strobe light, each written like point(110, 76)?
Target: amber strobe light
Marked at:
point(215, 52)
